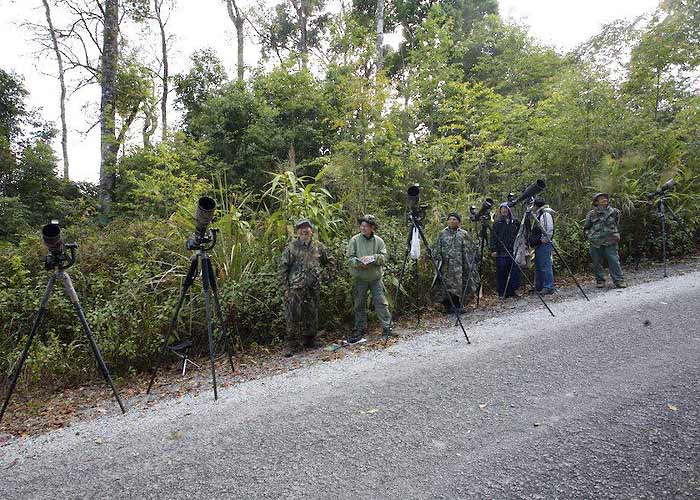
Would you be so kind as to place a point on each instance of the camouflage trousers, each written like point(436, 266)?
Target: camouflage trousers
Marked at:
point(381, 305)
point(301, 312)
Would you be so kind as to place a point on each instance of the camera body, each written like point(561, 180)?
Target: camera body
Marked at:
point(483, 213)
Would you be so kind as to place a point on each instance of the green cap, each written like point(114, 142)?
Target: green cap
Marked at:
point(303, 222)
point(369, 219)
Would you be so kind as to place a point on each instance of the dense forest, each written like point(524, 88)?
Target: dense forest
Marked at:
point(332, 123)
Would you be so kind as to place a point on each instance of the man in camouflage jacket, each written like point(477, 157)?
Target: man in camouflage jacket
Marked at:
point(455, 252)
point(601, 228)
point(304, 264)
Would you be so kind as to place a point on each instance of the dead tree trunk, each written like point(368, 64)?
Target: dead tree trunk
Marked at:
point(379, 18)
point(238, 20)
point(61, 79)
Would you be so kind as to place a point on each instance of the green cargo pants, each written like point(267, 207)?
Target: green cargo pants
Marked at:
point(381, 305)
point(610, 253)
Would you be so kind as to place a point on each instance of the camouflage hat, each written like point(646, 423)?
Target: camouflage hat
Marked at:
point(303, 222)
point(599, 195)
point(369, 219)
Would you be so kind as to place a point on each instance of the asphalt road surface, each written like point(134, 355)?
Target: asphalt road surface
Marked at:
point(591, 404)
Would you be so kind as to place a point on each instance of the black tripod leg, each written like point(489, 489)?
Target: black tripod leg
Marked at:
point(207, 308)
point(442, 280)
point(483, 237)
point(189, 278)
point(25, 352)
point(403, 268)
point(554, 247)
point(73, 297)
point(683, 227)
point(219, 314)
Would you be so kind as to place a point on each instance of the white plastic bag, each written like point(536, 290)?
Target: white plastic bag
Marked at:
point(415, 244)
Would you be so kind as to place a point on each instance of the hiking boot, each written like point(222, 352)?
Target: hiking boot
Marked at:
point(600, 284)
point(389, 332)
point(547, 291)
point(620, 284)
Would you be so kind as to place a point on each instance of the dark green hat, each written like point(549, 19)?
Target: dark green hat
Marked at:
point(369, 219)
point(303, 222)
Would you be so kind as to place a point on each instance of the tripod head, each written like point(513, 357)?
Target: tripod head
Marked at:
point(202, 241)
point(57, 257)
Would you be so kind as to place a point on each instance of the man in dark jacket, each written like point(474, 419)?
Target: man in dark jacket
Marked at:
point(503, 235)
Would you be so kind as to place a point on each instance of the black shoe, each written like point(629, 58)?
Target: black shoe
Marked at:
point(311, 343)
point(354, 338)
point(389, 332)
point(290, 350)
point(547, 291)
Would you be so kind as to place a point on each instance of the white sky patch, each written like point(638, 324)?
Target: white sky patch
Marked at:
point(199, 24)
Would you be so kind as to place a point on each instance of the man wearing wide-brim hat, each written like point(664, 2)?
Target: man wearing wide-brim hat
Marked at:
point(603, 233)
point(366, 256)
point(304, 264)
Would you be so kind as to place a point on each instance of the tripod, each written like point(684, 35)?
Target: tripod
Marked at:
point(201, 244)
point(415, 219)
point(59, 263)
point(483, 237)
point(661, 208)
point(415, 275)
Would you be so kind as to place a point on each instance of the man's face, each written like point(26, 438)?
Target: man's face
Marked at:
point(305, 233)
point(603, 202)
point(453, 222)
point(366, 229)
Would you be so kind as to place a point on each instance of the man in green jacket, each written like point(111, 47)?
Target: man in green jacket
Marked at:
point(366, 254)
point(304, 264)
point(602, 229)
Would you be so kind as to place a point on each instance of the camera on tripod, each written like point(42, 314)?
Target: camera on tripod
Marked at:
point(663, 190)
point(528, 193)
point(57, 256)
point(483, 212)
point(203, 216)
point(416, 210)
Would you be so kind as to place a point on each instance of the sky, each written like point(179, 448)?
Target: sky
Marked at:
point(204, 23)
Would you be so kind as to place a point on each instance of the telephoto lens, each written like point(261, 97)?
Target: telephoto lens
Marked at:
point(204, 214)
point(51, 234)
point(529, 192)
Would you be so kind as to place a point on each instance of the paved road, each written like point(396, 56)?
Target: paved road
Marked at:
point(590, 404)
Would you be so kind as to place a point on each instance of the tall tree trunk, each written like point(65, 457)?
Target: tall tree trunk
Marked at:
point(380, 34)
point(238, 21)
point(109, 147)
point(302, 9)
point(61, 79)
point(166, 73)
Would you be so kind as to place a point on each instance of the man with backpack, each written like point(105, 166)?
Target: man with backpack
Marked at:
point(541, 234)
